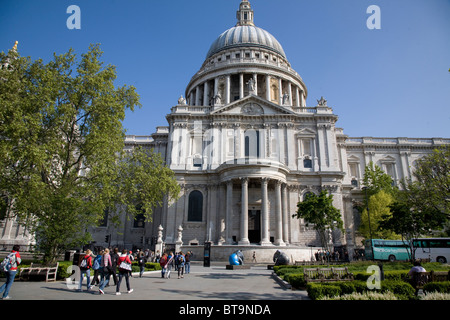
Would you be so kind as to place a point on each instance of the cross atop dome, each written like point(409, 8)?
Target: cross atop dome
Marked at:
point(245, 14)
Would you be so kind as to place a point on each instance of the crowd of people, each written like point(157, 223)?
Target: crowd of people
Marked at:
point(105, 265)
point(112, 264)
point(179, 261)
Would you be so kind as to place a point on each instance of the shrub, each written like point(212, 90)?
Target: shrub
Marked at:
point(316, 291)
point(62, 270)
point(297, 280)
point(399, 288)
point(442, 287)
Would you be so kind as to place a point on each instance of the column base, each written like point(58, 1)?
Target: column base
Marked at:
point(265, 243)
point(244, 242)
point(280, 243)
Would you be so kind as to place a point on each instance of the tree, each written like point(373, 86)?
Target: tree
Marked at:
point(319, 211)
point(379, 208)
point(61, 136)
point(375, 180)
point(144, 182)
point(430, 190)
point(379, 195)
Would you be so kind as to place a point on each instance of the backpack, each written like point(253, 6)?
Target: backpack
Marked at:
point(96, 264)
point(180, 259)
point(84, 264)
point(8, 262)
point(163, 261)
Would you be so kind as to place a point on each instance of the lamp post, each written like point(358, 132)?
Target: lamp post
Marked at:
point(368, 216)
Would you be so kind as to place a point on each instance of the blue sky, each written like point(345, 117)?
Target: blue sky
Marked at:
point(391, 82)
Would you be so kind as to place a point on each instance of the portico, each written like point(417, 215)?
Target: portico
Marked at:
point(259, 217)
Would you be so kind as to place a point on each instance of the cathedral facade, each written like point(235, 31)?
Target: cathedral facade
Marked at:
point(246, 148)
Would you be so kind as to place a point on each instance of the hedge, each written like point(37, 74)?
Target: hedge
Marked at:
point(442, 287)
point(319, 290)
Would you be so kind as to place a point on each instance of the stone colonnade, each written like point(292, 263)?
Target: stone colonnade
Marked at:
point(280, 211)
point(236, 86)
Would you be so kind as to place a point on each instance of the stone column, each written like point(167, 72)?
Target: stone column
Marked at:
point(285, 212)
point(241, 85)
point(265, 240)
point(227, 89)
point(244, 213)
point(197, 96)
point(280, 92)
point(278, 215)
point(297, 97)
point(267, 87)
point(290, 93)
point(206, 94)
point(229, 212)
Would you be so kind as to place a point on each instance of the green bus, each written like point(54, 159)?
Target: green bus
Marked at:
point(391, 250)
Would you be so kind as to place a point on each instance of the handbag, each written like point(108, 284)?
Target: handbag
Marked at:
point(125, 266)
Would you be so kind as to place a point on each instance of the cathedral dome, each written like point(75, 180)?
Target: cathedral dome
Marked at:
point(245, 36)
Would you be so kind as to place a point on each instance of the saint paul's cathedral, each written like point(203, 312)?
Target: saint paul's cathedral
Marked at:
point(245, 149)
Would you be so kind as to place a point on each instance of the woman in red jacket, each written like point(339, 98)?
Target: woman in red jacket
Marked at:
point(85, 269)
point(11, 273)
point(124, 264)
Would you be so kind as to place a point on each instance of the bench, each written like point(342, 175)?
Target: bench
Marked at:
point(327, 274)
point(39, 270)
point(420, 279)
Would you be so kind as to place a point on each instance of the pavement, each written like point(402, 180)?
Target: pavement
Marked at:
point(202, 283)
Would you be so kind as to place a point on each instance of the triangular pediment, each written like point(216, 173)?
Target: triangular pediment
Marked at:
point(252, 106)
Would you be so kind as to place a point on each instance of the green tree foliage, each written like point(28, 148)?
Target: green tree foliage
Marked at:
point(379, 208)
point(144, 182)
point(61, 141)
point(319, 211)
point(379, 194)
point(375, 180)
point(430, 190)
point(423, 204)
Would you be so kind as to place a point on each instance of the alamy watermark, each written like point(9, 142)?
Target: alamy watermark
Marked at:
point(74, 20)
point(374, 281)
point(374, 20)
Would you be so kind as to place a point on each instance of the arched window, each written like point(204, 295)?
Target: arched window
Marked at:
point(307, 194)
point(195, 209)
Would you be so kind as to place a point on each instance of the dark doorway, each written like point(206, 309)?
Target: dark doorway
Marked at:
point(254, 226)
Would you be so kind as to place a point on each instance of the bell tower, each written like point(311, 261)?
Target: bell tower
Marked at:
point(245, 14)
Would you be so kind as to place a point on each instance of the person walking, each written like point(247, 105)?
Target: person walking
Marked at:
point(187, 262)
point(141, 260)
point(181, 260)
point(163, 262)
point(169, 264)
point(96, 267)
point(105, 271)
point(14, 260)
point(85, 270)
point(114, 259)
point(124, 264)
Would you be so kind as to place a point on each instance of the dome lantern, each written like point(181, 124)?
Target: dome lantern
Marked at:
point(245, 14)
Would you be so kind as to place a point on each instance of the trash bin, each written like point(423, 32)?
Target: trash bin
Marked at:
point(68, 256)
point(207, 255)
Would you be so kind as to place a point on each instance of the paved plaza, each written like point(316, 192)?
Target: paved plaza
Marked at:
point(202, 283)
